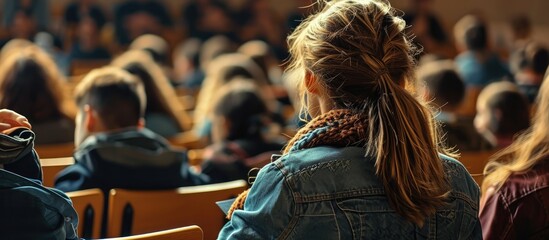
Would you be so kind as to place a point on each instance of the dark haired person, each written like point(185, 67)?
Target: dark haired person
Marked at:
point(31, 84)
point(368, 164)
point(442, 85)
point(531, 62)
point(502, 113)
point(113, 148)
point(241, 140)
point(477, 63)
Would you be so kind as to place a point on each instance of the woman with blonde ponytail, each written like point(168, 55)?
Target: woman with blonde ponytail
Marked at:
point(516, 184)
point(369, 164)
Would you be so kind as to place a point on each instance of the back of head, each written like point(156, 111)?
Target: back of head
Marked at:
point(221, 71)
point(239, 102)
point(14, 44)
point(259, 51)
point(505, 108)
point(161, 97)
point(443, 84)
point(471, 33)
point(359, 54)
point(30, 84)
point(527, 150)
point(537, 58)
point(214, 47)
point(117, 97)
point(190, 50)
point(156, 46)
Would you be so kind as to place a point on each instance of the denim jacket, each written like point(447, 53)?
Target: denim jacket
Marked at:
point(334, 193)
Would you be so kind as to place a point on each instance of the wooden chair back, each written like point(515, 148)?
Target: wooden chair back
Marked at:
point(89, 206)
point(51, 167)
point(135, 212)
point(475, 162)
point(57, 150)
point(183, 233)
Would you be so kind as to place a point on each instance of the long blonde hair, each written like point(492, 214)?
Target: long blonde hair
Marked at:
point(360, 55)
point(528, 149)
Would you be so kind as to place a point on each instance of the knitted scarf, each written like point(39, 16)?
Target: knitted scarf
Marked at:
point(338, 128)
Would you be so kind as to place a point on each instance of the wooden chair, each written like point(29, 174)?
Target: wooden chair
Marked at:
point(58, 150)
point(475, 162)
point(51, 167)
point(89, 206)
point(183, 233)
point(135, 212)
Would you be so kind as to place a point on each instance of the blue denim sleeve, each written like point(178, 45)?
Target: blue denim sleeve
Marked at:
point(267, 210)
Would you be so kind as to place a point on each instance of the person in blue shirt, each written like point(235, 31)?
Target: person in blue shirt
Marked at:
point(369, 164)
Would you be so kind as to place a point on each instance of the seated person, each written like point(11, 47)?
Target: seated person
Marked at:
point(29, 210)
point(113, 148)
point(502, 112)
point(531, 62)
point(446, 90)
point(239, 124)
point(32, 85)
point(515, 191)
point(477, 63)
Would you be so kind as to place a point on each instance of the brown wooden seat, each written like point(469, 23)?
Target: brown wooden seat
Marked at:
point(135, 212)
point(89, 206)
point(52, 166)
point(183, 233)
point(475, 162)
point(58, 150)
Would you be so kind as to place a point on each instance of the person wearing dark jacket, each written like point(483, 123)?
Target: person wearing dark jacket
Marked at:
point(114, 150)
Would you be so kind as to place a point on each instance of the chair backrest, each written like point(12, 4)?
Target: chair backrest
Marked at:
point(134, 212)
point(89, 206)
point(183, 233)
point(57, 150)
point(51, 167)
point(475, 162)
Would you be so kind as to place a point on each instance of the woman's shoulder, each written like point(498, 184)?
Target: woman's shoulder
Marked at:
point(460, 179)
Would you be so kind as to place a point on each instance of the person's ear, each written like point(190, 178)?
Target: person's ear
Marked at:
point(311, 83)
point(90, 118)
point(141, 123)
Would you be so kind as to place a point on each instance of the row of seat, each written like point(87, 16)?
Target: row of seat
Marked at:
point(132, 212)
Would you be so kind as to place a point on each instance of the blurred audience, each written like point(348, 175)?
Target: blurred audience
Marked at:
point(531, 61)
point(427, 28)
point(220, 71)
point(137, 17)
point(163, 113)
point(240, 133)
point(186, 65)
point(31, 84)
point(442, 85)
point(476, 62)
point(502, 113)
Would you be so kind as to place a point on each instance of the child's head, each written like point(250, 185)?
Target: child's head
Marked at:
point(502, 112)
point(239, 112)
point(440, 83)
